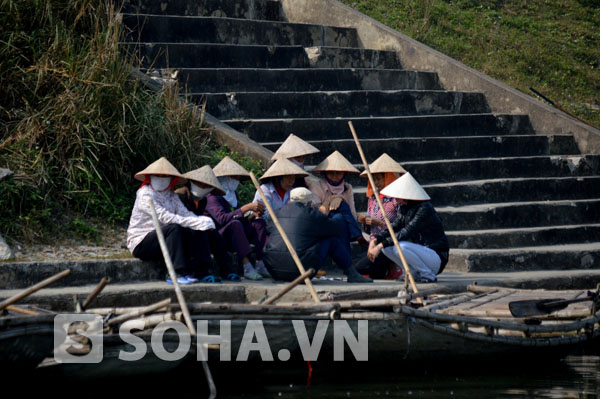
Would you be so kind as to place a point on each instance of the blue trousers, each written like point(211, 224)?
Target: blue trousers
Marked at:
point(350, 229)
point(339, 252)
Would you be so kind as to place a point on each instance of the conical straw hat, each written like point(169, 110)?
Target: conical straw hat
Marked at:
point(335, 162)
point(206, 175)
point(159, 167)
point(283, 167)
point(384, 164)
point(293, 147)
point(228, 167)
point(406, 187)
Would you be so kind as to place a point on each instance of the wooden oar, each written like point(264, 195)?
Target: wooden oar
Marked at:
point(33, 288)
point(538, 307)
point(385, 218)
point(287, 242)
point(307, 274)
point(179, 294)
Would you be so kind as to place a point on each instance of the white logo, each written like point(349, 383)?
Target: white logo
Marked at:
point(78, 339)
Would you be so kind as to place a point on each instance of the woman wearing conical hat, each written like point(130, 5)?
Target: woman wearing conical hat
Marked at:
point(384, 170)
point(295, 150)
point(419, 231)
point(200, 184)
point(184, 232)
point(334, 197)
point(239, 225)
point(278, 181)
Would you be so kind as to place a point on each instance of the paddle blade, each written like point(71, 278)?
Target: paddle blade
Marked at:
point(536, 307)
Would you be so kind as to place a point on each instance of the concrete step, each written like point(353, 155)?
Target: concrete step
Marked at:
point(520, 214)
point(24, 274)
point(384, 127)
point(141, 293)
point(452, 170)
point(212, 55)
point(430, 148)
point(341, 103)
point(247, 9)
point(510, 190)
point(146, 293)
point(464, 170)
point(307, 79)
point(159, 28)
point(556, 257)
point(504, 190)
point(523, 237)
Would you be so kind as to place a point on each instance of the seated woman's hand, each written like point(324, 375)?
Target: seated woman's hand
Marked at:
point(362, 219)
point(335, 202)
point(255, 207)
point(324, 207)
point(374, 250)
point(375, 222)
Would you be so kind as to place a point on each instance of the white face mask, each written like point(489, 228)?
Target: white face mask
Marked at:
point(198, 192)
point(300, 164)
point(159, 183)
point(230, 185)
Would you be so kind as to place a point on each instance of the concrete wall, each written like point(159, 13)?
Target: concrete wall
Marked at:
point(453, 74)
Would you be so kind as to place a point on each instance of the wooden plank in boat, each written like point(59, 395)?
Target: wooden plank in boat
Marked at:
point(496, 304)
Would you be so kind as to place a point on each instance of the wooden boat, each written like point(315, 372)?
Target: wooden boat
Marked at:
point(25, 340)
point(474, 323)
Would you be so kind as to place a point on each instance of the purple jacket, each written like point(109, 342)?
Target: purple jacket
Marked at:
point(220, 211)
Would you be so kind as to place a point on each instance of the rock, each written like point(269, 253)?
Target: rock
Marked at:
point(4, 173)
point(5, 251)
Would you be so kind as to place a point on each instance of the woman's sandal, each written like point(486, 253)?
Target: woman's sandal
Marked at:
point(233, 277)
point(210, 279)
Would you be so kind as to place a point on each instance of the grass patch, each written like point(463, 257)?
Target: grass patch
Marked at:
point(552, 46)
point(75, 125)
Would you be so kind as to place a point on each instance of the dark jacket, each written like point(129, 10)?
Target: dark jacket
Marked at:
point(185, 195)
point(418, 222)
point(221, 212)
point(304, 227)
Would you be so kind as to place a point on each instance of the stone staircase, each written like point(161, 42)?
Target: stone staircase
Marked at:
point(511, 198)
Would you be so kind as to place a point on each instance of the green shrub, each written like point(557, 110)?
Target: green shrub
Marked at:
point(552, 46)
point(75, 125)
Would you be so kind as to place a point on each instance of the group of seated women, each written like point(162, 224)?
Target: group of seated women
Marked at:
point(203, 216)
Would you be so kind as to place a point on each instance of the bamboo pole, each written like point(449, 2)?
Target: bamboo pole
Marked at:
point(285, 238)
point(237, 308)
point(449, 318)
point(385, 218)
point(374, 303)
point(179, 294)
point(244, 308)
point(344, 296)
point(288, 288)
point(139, 312)
point(33, 288)
point(22, 310)
point(95, 293)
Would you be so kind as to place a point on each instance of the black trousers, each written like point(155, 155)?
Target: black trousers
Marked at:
point(189, 249)
point(377, 269)
point(219, 251)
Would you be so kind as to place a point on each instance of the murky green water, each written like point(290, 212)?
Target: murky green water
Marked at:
point(576, 376)
point(573, 377)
